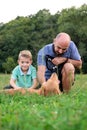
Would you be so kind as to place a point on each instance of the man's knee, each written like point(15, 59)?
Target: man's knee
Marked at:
point(68, 68)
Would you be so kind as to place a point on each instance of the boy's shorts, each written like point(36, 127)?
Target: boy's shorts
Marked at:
point(8, 87)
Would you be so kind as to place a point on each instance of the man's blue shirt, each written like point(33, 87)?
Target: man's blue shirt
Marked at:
point(71, 53)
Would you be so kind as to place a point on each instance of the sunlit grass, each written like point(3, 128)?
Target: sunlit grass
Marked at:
point(26, 112)
point(4, 80)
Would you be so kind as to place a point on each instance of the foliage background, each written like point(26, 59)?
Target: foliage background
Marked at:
point(34, 31)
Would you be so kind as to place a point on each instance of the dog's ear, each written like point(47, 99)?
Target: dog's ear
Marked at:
point(54, 77)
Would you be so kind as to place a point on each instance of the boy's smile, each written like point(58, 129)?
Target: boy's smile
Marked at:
point(24, 63)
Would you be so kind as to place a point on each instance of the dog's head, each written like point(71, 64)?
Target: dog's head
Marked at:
point(51, 86)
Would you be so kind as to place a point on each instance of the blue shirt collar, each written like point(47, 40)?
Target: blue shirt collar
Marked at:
point(28, 72)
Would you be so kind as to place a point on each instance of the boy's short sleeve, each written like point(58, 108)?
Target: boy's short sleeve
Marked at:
point(14, 74)
point(33, 73)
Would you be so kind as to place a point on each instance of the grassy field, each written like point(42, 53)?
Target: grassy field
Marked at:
point(33, 112)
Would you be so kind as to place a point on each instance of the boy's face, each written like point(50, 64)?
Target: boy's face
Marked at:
point(24, 63)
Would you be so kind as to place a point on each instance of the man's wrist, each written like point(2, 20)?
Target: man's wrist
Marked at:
point(67, 59)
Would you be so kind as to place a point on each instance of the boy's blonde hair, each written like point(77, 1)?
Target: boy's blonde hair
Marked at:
point(25, 53)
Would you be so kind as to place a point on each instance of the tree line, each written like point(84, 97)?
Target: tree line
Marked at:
point(34, 31)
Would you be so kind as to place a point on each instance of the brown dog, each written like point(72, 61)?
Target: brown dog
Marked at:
point(50, 87)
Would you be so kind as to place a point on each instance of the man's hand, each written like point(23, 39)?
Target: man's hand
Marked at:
point(58, 60)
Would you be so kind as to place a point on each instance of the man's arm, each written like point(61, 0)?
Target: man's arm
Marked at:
point(41, 73)
point(75, 63)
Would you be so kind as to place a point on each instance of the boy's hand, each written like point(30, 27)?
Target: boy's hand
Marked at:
point(17, 88)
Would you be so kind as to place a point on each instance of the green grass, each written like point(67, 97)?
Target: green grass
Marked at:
point(33, 112)
point(4, 80)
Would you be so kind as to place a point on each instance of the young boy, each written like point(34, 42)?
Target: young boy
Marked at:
point(24, 74)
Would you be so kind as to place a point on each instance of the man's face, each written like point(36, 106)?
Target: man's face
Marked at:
point(60, 48)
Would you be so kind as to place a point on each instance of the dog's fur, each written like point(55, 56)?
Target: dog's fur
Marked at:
point(50, 87)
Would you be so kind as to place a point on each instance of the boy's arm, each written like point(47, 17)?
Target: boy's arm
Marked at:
point(13, 84)
point(35, 83)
